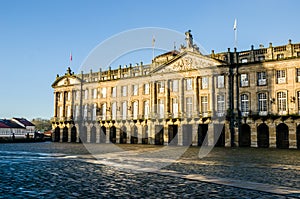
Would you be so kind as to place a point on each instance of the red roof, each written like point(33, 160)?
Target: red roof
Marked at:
point(2, 125)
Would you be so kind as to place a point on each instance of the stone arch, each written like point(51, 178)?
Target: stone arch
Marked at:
point(245, 136)
point(263, 136)
point(145, 135)
point(73, 134)
point(56, 137)
point(65, 134)
point(93, 134)
point(202, 132)
point(134, 135)
point(219, 135)
point(123, 135)
point(103, 134)
point(298, 136)
point(112, 134)
point(282, 136)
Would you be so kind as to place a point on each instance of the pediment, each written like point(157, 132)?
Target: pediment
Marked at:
point(66, 80)
point(187, 61)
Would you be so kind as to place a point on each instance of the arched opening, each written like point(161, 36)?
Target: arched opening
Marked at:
point(65, 134)
point(202, 132)
point(56, 134)
point(83, 134)
point(159, 135)
point(298, 136)
point(102, 134)
point(93, 134)
point(112, 134)
point(263, 136)
point(187, 134)
point(282, 136)
point(172, 134)
point(134, 135)
point(219, 135)
point(145, 135)
point(73, 134)
point(123, 135)
point(244, 136)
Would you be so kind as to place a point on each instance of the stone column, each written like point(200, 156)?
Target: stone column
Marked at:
point(167, 98)
point(140, 133)
point(61, 131)
point(107, 134)
point(117, 135)
point(98, 131)
point(210, 134)
point(196, 96)
point(128, 127)
point(69, 133)
point(272, 135)
point(195, 135)
point(88, 133)
point(181, 97)
point(180, 135)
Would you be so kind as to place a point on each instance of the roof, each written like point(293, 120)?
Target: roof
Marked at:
point(24, 121)
point(10, 123)
point(3, 125)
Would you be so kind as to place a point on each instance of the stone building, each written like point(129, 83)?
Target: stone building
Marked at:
point(247, 98)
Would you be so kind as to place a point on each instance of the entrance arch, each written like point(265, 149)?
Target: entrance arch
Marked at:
point(219, 135)
point(263, 136)
point(172, 135)
point(134, 135)
point(102, 134)
point(202, 132)
point(65, 134)
point(123, 135)
point(245, 136)
point(73, 134)
point(298, 136)
point(93, 134)
point(282, 136)
point(56, 134)
point(112, 134)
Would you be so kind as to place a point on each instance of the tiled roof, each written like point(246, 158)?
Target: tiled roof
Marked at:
point(10, 123)
point(3, 125)
point(24, 121)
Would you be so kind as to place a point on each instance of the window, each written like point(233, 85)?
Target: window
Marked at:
point(204, 105)
point(95, 93)
point(85, 111)
point(282, 102)
point(77, 96)
point(103, 108)
point(220, 105)
point(146, 89)
point(146, 109)
point(76, 114)
point(280, 56)
point(244, 60)
point(103, 92)
point(161, 108)
point(94, 112)
point(124, 110)
point(298, 74)
point(261, 79)
point(175, 107)
point(135, 89)
point(244, 80)
point(262, 104)
point(124, 91)
point(281, 76)
point(114, 110)
point(220, 81)
point(174, 85)
point(298, 100)
point(244, 104)
point(86, 94)
point(261, 58)
point(189, 106)
point(161, 87)
point(204, 82)
point(189, 84)
point(114, 91)
point(135, 109)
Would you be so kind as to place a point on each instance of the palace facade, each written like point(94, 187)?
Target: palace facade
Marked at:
point(247, 98)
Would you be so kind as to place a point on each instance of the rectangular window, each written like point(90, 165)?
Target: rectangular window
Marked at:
point(244, 104)
point(94, 112)
point(298, 74)
point(244, 60)
point(220, 81)
point(189, 106)
point(114, 91)
point(204, 82)
point(280, 56)
point(124, 110)
point(86, 94)
point(103, 107)
point(175, 107)
point(204, 105)
point(261, 79)
point(95, 93)
point(124, 91)
point(220, 105)
point(281, 76)
point(244, 80)
point(135, 89)
point(103, 92)
point(161, 108)
point(161, 87)
point(114, 110)
point(189, 84)
point(174, 85)
point(146, 109)
point(262, 104)
point(282, 102)
point(146, 89)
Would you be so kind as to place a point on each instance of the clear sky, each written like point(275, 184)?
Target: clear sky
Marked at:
point(36, 36)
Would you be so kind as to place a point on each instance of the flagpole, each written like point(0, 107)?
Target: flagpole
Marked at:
point(235, 33)
point(153, 43)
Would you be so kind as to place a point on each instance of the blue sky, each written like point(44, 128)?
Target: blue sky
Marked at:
point(37, 36)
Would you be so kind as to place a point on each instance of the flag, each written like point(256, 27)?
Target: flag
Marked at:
point(71, 56)
point(153, 41)
point(234, 25)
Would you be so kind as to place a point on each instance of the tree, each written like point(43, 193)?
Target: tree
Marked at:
point(42, 124)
